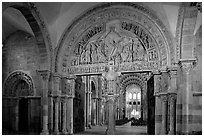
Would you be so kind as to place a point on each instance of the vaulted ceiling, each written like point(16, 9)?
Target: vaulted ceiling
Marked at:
point(58, 16)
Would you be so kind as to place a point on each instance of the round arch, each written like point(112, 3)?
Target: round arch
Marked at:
point(83, 40)
point(13, 80)
point(38, 26)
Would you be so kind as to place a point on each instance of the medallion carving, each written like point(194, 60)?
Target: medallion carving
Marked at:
point(120, 34)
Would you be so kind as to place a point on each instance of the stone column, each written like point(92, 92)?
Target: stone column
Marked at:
point(45, 74)
point(172, 102)
point(111, 116)
point(157, 91)
point(51, 114)
point(71, 95)
point(89, 100)
point(164, 100)
point(99, 111)
point(186, 94)
point(64, 122)
point(85, 90)
point(111, 78)
point(172, 91)
point(56, 93)
point(56, 115)
point(94, 111)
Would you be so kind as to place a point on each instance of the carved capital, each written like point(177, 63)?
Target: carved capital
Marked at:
point(45, 74)
point(157, 85)
point(56, 77)
point(63, 99)
point(56, 99)
point(187, 64)
point(173, 73)
point(172, 97)
point(71, 87)
point(164, 97)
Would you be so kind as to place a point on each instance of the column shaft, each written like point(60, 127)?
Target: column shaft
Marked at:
point(64, 116)
point(111, 117)
point(164, 114)
point(56, 127)
point(70, 115)
point(172, 102)
point(45, 78)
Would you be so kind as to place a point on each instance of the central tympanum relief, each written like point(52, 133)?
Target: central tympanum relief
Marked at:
point(113, 45)
point(120, 34)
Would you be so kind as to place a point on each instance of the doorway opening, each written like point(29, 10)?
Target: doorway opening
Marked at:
point(135, 107)
point(23, 116)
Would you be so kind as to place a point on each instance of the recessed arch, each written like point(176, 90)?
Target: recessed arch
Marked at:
point(96, 23)
point(12, 81)
point(38, 26)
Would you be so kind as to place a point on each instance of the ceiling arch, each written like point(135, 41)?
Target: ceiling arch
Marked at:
point(30, 15)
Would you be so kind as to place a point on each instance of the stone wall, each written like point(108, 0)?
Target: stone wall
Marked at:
point(20, 53)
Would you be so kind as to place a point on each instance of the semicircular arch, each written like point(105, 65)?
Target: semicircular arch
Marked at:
point(13, 79)
point(129, 34)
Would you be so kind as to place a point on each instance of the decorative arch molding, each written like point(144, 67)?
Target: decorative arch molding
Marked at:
point(39, 28)
point(132, 79)
point(110, 31)
point(13, 79)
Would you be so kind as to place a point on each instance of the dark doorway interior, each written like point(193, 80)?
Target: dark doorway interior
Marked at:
point(23, 116)
point(151, 107)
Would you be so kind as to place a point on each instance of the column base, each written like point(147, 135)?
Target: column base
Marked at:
point(64, 133)
point(110, 131)
point(45, 132)
point(56, 132)
point(70, 132)
point(171, 133)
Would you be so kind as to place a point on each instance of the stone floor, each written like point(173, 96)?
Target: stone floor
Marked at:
point(120, 130)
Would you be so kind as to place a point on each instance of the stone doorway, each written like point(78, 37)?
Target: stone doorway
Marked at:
point(23, 116)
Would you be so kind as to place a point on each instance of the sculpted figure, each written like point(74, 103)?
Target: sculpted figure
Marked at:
point(126, 51)
point(100, 52)
point(139, 53)
point(94, 56)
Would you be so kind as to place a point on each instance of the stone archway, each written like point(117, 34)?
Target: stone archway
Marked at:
point(118, 38)
point(13, 80)
point(16, 89)
point(38, 26)
point(128, 34)
point(139, 80)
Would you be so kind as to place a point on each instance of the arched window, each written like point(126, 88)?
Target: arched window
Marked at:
point(134, 96)
point(139, 96)
point(130, 95)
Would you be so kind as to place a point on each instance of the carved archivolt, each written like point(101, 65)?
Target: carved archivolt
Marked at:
point(12, 81)
point(123, 33)
point(130, 79)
